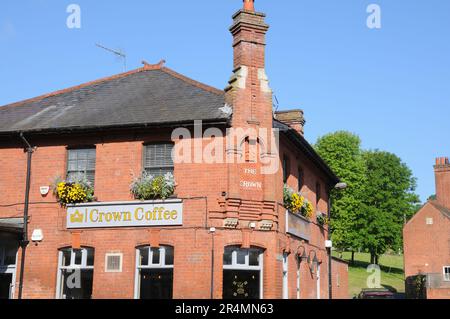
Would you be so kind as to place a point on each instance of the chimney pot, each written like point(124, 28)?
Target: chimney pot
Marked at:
point(249, 5)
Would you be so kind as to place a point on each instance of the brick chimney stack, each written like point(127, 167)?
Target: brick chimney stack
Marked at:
point(248, 90)
point(292, 118)
point(442, 172)
point(250, 96)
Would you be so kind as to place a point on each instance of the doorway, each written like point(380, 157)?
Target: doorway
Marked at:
point(8, 259)
point(242, 273)
point(5, 286)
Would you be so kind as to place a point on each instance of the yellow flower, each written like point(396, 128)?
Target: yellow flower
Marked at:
point(296, 202)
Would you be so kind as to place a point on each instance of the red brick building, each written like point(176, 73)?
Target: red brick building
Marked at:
point(225, 228)
point(427, 241)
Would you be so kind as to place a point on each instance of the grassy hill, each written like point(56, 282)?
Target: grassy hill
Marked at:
point(392, 274)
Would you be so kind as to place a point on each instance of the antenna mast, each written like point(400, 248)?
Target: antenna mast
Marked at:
point(120, 54)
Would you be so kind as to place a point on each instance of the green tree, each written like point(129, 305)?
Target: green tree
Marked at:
point(342, 152)
point(389, 200)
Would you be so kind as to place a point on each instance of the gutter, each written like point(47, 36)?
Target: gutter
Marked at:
point(24, 241)
point(94, 129)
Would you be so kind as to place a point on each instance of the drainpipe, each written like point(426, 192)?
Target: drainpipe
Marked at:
point(330, 258)
point(24, 242)
point(212, 231)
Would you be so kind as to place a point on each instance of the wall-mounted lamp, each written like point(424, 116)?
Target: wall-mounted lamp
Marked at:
point(302, 256)
point(313, 262)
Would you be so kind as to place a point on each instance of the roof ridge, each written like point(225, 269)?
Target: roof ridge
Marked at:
point(146, 67)
point(192, 81)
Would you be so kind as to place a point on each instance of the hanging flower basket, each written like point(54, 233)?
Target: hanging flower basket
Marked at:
point(75, 190)
point(322, 219)
point(297, 203)
point(149, 187)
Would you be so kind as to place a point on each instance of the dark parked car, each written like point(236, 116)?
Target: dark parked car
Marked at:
point(376, 294)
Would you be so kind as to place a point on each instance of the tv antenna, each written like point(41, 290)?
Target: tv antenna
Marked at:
point(118, 53)
point(276, 104)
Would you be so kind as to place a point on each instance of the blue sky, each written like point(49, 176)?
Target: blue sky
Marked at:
point(390, 86)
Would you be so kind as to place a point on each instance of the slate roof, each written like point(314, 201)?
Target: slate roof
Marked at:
point(146, 96)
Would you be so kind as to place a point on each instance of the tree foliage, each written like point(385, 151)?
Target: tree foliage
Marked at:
point(388, 202)
point(342, 152)
point(371, 212)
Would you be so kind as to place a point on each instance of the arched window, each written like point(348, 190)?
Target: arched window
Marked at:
point(318, 192)
point(242, 273)
point(286, 168)
point(154, 272)
point(75, 273)
point(301, 179)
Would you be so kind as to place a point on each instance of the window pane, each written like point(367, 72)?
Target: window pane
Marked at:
point(254, 258)
point(10, 254)
point(169, 256)
point(144, 256)
point(158, 159)
point(90, 257)
point(78, 257)
point(66, 257)
point(241, 254)
point(228, 257)
point(156, 256)
point(81, 161)
point(159, 171)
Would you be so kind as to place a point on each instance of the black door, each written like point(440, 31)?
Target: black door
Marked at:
point(5, 285)
point(156, 284)
point(241, 284)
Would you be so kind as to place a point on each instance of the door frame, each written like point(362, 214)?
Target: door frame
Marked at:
point(13, 271)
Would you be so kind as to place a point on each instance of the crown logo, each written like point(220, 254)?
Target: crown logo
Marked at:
point(76, 217)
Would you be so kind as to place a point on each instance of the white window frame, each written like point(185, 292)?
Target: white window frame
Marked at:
point(166, 166)
point(299, 266)
point(9, 269)
point(318, 283)
point(235, 266)
point(86, 171)
point(151, 265)
point(285, 276)
point(446, 273)
point(72, 266)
